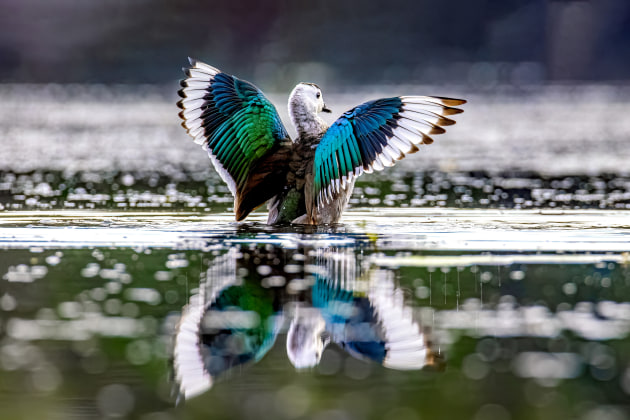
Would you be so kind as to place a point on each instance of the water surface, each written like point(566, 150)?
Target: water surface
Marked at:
point(493, 283)
point(526, 313)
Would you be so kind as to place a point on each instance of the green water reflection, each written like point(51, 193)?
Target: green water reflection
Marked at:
point(89, 333)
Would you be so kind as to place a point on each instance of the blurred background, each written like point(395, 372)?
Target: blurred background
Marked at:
point(481, 43)
point(524, 203)
point(92, 85)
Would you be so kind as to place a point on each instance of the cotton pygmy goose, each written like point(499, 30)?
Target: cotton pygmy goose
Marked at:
point(308, 180)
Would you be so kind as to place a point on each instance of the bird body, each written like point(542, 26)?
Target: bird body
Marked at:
point(308, 180)
point(290, 205)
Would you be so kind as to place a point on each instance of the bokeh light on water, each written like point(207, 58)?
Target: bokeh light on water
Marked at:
point(516, 334)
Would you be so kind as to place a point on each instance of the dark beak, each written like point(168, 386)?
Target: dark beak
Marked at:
point(325, 109)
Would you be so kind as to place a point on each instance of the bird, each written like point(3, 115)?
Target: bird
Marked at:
point(309, 179)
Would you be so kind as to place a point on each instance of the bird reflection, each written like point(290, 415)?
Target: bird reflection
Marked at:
point(324, 296)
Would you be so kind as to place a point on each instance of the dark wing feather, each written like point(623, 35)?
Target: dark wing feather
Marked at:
point(241, 131)
point(374, 135)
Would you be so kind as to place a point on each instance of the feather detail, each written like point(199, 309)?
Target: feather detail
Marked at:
point(241, 131)
point(437, 100)
point(375, 135)
point(190, 373)
point(405, 345)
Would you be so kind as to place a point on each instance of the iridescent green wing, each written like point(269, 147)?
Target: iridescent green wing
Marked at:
point(241, 131)
point(374, 135)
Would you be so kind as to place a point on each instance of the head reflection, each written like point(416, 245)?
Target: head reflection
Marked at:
point(324, 295)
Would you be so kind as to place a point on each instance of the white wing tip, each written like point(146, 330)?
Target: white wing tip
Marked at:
point(190, 373)
point(200, 64)
point(434, 99)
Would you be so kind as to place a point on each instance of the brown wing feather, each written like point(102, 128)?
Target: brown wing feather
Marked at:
point(265, 180)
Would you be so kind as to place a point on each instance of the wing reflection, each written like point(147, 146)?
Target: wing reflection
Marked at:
point(365, 315)
point(326, 297)
point(233, 320)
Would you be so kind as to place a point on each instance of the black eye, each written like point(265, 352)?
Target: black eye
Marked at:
point(318, 95)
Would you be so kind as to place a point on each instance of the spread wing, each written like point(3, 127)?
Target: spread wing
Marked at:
point(241, 131)
point(374, 135)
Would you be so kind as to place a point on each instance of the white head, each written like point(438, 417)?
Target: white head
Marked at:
point(309, 97)
point(305, 102)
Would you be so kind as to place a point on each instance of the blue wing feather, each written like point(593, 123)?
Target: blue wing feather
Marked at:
point(350, 319)
point(376, 134)
point(353, 130)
